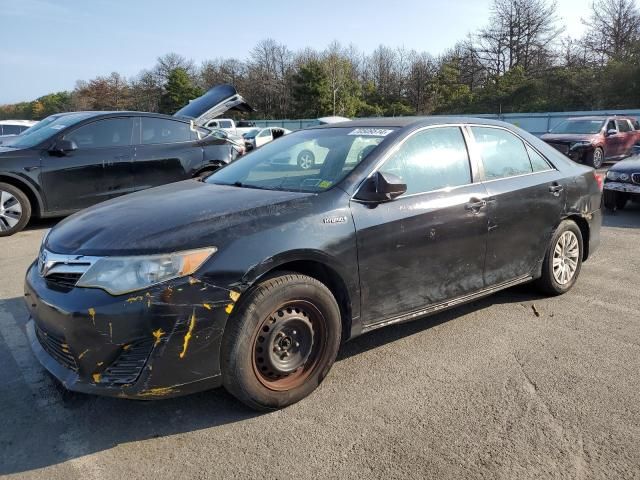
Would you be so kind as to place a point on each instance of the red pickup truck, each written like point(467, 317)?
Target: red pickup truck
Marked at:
point(594, 140)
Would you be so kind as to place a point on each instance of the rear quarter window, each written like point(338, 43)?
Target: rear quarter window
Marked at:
point(503, 154)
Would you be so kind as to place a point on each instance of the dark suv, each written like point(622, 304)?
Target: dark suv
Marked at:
point(594, 140)
point(252, 277)
point(71, 161)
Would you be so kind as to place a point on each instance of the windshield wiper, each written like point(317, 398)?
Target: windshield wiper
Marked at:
point(243, 185)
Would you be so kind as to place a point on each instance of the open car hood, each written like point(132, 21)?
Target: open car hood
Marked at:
point(215, 102)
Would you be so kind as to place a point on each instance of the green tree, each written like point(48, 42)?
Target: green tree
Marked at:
point(178, 90)
point(311, 92)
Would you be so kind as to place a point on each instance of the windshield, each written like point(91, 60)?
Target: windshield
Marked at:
point(47, 128)
point(303, 161)
point(579, 126)
point(251, 133)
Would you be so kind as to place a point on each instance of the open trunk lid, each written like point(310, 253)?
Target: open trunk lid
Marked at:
point(215, 102)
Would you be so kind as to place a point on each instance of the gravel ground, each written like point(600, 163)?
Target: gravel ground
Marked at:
point(488, 390)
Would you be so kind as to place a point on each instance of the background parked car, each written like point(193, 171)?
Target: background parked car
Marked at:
point(10, 128)
point(235, 128)
point(622, 183)
point(257, 137)
point(594, 140)
point(78, 159)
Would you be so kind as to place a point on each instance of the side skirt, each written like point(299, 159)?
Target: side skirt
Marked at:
point(436, 307)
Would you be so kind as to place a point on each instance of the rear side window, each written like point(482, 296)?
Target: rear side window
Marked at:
point(162, 130)
point(636, 124)
point(11, 129)
point(430, 160)
point(111, 132)
point(538, 162)
point(623, 126)
point(225, 124)
point(502, 153)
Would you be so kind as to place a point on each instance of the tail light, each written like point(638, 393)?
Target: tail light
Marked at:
point(599, 177)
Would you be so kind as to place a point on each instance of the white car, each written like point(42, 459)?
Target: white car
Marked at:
point(257, 137)
point(10, 128)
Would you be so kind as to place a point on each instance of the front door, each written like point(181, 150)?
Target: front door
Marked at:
point(90, 174)
point(526, 198)
point(428, 245)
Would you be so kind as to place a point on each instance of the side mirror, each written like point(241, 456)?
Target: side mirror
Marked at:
point(63, 146)
point(381, 187)
point(611, 132)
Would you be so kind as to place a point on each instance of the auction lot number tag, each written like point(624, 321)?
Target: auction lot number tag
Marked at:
point(371, 132)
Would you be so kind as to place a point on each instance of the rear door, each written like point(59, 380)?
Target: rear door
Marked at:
point(428, 245)
point(525, 200)
point(96, 171)
point(628, 135)
point(264, 137)
point(167, 151)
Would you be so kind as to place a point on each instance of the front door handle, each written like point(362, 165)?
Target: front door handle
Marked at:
point(475, 205)
point(556, 189)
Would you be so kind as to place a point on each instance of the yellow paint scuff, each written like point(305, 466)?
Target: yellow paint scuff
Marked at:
point(148, 295)
point(207, 306)
point(83, 354)
point(126, 347)
point(234, 295)
point(187, 337)
point(96, 377)
point(157, 335)
point(111, 331)
point(139, 298)
point(99, 364)
point(229, 308)
point(193, 281)
point(156, 392)
point(92, 314)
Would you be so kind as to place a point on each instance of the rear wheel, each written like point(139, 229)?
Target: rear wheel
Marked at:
point(15, 210)
point(596, 158)
point(563, 260)
point(281, 342)
point(615, 200)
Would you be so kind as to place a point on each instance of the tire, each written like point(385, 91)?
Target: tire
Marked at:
point(306, 159)
point(552, 281)
point(15, 210)
point(596, 158)
point(281, 341)
point(615, 200)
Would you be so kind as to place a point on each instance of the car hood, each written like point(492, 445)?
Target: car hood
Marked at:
point(215, 102)
point(174, 217)
point(568, 137)
point(628, 165)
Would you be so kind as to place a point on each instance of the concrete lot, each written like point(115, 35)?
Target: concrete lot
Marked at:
point(488, 390)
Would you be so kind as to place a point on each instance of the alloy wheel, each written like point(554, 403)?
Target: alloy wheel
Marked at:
point(305, 161)
point(565, 257)
point(10, 211)
point(597, 158)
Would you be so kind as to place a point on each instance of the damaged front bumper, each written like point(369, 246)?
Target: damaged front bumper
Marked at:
point(157, 343)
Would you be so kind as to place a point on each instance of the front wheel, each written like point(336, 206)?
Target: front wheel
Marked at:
point(563, 260)
point(15, 210)
point(281, 342)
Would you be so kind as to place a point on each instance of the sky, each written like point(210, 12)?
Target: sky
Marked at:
point(46, 45)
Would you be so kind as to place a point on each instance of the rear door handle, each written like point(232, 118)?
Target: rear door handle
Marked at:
point(475, 205)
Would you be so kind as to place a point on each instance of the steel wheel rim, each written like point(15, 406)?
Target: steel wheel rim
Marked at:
point(597, 158)
point(270, 368)
point(306, 161)
point(10, 211)
point(566, 254)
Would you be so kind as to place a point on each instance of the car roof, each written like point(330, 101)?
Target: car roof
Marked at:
point(415, 122)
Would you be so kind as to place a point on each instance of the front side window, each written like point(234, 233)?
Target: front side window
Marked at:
point(162, 130)
point(430, 160)
point(111, 132)
point(502, 153)
point(265, 133)
point(611, 126)
point(279, 166)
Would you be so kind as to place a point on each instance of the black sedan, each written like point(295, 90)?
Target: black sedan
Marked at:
point(253, 277)
point(71, 161)
point(622, 183)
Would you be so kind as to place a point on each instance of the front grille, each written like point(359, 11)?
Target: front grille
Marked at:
point(66, 280)
point(57, 348)
point(129, 364)
point(561, 147)
point(635, 178)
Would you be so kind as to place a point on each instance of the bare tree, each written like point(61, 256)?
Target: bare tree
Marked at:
point(613, 27)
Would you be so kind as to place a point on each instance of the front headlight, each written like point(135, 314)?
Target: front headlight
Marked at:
point(624, 177)
point(612, 175)
point(580, 145)
point(120, 275)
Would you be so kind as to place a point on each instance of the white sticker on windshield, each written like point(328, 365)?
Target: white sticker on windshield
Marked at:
point(371, 132)
point(57, 127)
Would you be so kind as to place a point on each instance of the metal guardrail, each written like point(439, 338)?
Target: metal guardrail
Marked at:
point(535, 123)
